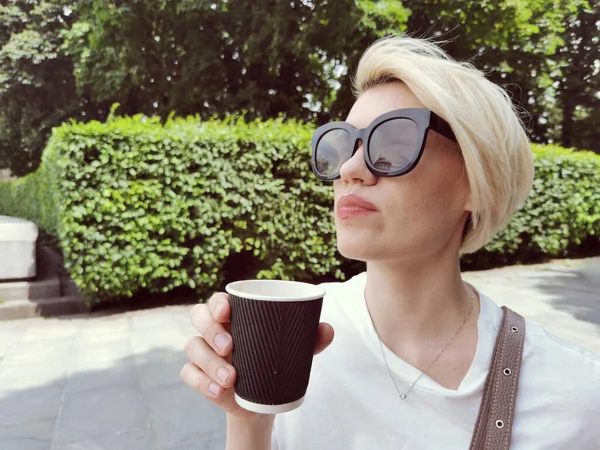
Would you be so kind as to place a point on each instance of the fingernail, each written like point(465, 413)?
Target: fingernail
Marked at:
point(183, 370)
point(223, 373)
point(222, 341)
point(213, 388)
point(219, 309)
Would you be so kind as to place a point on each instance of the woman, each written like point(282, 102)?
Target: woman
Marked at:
point(439, 164)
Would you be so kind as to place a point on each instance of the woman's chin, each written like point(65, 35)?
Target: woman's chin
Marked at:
point(358, 251)
point(374, 247)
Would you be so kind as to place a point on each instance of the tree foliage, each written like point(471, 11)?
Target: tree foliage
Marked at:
point(577, 81)
point(62, 59)
point(265, 57)
point(37, 88)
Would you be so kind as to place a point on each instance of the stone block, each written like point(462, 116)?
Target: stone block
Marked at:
point(17, 246)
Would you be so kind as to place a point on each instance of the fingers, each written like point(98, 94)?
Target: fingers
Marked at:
point(324, 338)
point(212, 328)
point(214, 366)
point(219, 307)
point(200, 381)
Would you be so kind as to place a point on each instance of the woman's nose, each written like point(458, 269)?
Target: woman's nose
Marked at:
point(355, 169)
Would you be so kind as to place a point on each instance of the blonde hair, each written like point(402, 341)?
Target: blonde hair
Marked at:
point(492, 139)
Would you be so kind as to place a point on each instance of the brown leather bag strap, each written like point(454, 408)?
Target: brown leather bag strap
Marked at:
point(496, 413)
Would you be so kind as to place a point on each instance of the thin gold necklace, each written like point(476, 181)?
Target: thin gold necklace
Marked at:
point(403, 395)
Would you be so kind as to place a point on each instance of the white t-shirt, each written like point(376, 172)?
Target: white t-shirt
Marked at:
point(352, 404)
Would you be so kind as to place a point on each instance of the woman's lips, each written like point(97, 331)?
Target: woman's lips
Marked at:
point(352, 205)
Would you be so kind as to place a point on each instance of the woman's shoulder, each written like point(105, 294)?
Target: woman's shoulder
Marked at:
point(554, 368)
point(561, 378)
point(551, 351)
point(543, 347)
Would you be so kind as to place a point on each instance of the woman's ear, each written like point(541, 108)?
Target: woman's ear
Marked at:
point(468, 197)
point(469, 203)
point(467, 227)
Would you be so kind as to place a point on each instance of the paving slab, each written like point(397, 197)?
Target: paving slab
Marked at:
point(179, 418)
point(102, 375)
point(155, 373)
point(53, 330)
point(41, 430)
point(18, 443)
point(27, 376)
point(42, 350)
point(138, 438)
point(101, 414)
point(20, 408)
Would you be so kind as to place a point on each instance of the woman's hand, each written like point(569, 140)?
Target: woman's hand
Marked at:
point(210, 371)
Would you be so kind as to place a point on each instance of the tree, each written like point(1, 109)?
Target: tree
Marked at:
point(515, 43)
point(61, 59)
point(37, 87)
point(265, 57)
point(577, 81)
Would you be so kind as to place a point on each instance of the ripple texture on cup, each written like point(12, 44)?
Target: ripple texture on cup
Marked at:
point(273, 347)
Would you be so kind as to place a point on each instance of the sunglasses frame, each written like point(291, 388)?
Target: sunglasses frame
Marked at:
point(424, 119)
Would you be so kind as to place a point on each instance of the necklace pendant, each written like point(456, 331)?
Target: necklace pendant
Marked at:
point(402, 395)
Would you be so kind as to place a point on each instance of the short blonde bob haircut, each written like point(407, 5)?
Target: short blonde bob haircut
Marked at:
point(491, 136)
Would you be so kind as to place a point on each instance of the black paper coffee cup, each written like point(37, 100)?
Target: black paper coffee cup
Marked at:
point(274, 327)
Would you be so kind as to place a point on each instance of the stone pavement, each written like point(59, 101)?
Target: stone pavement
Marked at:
point(102, 383)
point(111, 381)
point(563, 296)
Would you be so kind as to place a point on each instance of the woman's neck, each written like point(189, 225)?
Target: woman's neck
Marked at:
point(416, 306)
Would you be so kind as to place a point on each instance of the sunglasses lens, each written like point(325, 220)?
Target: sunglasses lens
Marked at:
point(394, 145)
point(333, 150)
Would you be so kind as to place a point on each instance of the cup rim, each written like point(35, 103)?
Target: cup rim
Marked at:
point(267, 409)
point(317, 291)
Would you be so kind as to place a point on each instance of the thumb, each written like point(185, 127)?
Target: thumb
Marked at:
point(324, 337)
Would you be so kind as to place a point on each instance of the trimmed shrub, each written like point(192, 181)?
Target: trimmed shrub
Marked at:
point(139, 205)
point(148, 206)
point(562, 211)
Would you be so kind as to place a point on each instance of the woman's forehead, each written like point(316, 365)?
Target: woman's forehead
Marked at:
point(380, 99)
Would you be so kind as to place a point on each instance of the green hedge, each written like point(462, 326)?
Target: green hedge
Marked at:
point(143, 206)
point(561, 214)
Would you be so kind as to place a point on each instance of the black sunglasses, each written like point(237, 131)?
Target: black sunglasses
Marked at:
point(392, 144)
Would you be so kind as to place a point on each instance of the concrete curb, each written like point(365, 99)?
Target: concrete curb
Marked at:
point(29, 290)
point(19, 309)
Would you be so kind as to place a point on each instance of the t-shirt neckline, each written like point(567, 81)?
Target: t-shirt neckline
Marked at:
point(405, 374)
